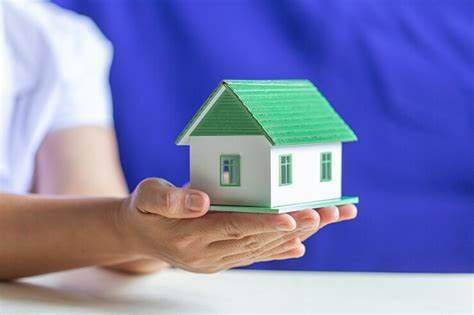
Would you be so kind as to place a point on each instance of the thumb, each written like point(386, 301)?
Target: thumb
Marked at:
point(154, 195)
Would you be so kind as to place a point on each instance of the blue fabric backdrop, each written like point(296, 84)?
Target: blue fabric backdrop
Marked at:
point(399, 72)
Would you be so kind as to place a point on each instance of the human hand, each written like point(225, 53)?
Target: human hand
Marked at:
point(331, 214)
point(171, 224)
point(311, 221)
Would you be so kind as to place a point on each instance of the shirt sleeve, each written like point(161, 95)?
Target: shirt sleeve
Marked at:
point(82, 57)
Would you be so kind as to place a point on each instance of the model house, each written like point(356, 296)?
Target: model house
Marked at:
point(267, 146)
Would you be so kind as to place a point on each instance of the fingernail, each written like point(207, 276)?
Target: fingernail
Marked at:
point(194, 202)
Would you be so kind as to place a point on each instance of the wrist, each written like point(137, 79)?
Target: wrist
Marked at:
point(119, 221)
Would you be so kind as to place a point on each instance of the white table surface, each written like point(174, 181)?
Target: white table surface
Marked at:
point(94, 291)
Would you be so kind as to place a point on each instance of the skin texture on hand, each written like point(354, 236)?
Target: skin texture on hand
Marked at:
point(40, 234)
point(139, 232)
point(186, 236)
point(63, 168)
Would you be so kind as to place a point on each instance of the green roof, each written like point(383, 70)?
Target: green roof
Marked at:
point(287, 112)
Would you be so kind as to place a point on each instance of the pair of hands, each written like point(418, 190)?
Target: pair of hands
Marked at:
point(172, 224)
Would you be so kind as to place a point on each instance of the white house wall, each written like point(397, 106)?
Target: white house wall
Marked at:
point(306, 185)
point(254, 151)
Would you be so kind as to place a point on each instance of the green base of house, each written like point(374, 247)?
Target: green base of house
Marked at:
point(288, 208)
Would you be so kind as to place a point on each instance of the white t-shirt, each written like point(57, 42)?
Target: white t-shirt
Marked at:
point(54, 69)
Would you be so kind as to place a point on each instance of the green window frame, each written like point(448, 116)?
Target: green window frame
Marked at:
point(326, 167)
point(230, 170)
point(286, 172)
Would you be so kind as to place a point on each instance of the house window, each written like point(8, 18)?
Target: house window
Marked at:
point(230, 170)
point(285, 170)
point(326, 166)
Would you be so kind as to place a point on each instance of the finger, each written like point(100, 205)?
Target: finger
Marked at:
point(292, 253)
point(304, 235)
point(294, 243)
point(347, 212)
point(306, 219)
point(288, 236)
point(309, 222)
point(152, 196)
point(256, 256)
point(290, 249)
point(252, 243)
point(259, 250)
point(238, 225)
point(247, 244)
point(328, 215)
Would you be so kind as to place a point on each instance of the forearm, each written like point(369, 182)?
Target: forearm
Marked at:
point(83, 161)
point(42, 234)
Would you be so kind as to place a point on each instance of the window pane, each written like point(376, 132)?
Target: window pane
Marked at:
point(285, 169)
point(283, 175)
point(225, 178)
point(233, 175)
point(326, 166)
point(288, 169)
point(323, 167)
point(328, 172)
point(230, 170)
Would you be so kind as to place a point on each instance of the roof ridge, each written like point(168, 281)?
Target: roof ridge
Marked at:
point(292, 82)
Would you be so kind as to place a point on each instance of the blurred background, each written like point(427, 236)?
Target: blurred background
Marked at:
point(401, 73)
